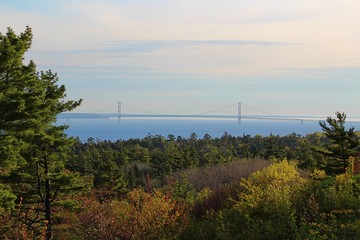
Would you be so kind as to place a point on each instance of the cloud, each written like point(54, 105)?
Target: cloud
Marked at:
point(204, 57)
point(252, 50)
point(141, 46)
point(328, 75)
point(152, 45)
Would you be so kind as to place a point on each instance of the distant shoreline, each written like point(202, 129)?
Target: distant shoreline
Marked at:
point(196, 116)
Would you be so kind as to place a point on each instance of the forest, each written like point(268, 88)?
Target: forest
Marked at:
point(163, 187)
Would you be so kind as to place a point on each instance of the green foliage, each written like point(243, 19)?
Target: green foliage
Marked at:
point(265, 208)
point(211, 226)
point(182, 190)
point(342, 144)
point(42, 172)
point(130, 162)
point(332, 210)
point(7, 199)
point(307, 157)
point(277, 203)
point(34, 151)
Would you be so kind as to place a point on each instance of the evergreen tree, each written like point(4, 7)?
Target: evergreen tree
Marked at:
point(342, 144)
point(33, 150)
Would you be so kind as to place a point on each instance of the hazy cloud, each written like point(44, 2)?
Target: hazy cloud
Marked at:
point(138, 46)
point(275, 54)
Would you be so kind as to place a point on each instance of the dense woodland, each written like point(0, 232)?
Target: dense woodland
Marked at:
point(163, 187)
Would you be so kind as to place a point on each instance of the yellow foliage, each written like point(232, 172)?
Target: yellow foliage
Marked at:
point(266, 201)
point(318, 174)
point(141, 215)
point(151, 215)
point(251, 196)
point(281, 173)
point(270, 189)
point(345, 180)
point(350, 169)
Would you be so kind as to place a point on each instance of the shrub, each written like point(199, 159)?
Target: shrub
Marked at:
point(265, 207)
point(141, 215)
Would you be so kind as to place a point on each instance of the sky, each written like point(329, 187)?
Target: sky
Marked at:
point(282, 57)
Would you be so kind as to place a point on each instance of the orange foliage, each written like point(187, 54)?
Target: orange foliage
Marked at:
point(140, 216)
point(16, 226)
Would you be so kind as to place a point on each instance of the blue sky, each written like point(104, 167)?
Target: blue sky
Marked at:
point(192, 56)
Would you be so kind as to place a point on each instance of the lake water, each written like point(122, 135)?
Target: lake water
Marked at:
point(109, 128)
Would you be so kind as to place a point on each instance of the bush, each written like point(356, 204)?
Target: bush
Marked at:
point(140, 216)
point(265, 207)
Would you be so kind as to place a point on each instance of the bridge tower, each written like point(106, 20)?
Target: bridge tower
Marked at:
point(119, 111)
point(239, 113)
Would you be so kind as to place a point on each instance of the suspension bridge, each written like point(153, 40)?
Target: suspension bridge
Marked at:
point(125, 110)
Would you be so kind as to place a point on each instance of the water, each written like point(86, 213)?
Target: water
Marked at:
point(109, 128)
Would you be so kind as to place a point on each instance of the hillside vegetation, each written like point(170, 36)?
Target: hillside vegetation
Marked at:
point(232, 187)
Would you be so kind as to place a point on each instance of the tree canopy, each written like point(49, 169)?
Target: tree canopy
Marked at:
point(232, 187)
point(33, 151)
point(342, 144)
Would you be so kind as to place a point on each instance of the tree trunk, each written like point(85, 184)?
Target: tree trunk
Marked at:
point(47, 199)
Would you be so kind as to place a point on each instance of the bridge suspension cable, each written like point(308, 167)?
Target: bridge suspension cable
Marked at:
point(104, 108)
point(218, 109)
point(140, 109)
point(121, 105)
point(261, 111)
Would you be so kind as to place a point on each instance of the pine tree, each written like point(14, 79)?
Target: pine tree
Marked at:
point(342, 144)
point(33, 150)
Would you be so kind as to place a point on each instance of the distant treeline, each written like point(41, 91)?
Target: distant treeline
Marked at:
point(127, 164)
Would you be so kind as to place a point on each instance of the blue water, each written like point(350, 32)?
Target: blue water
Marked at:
point(112, 129)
